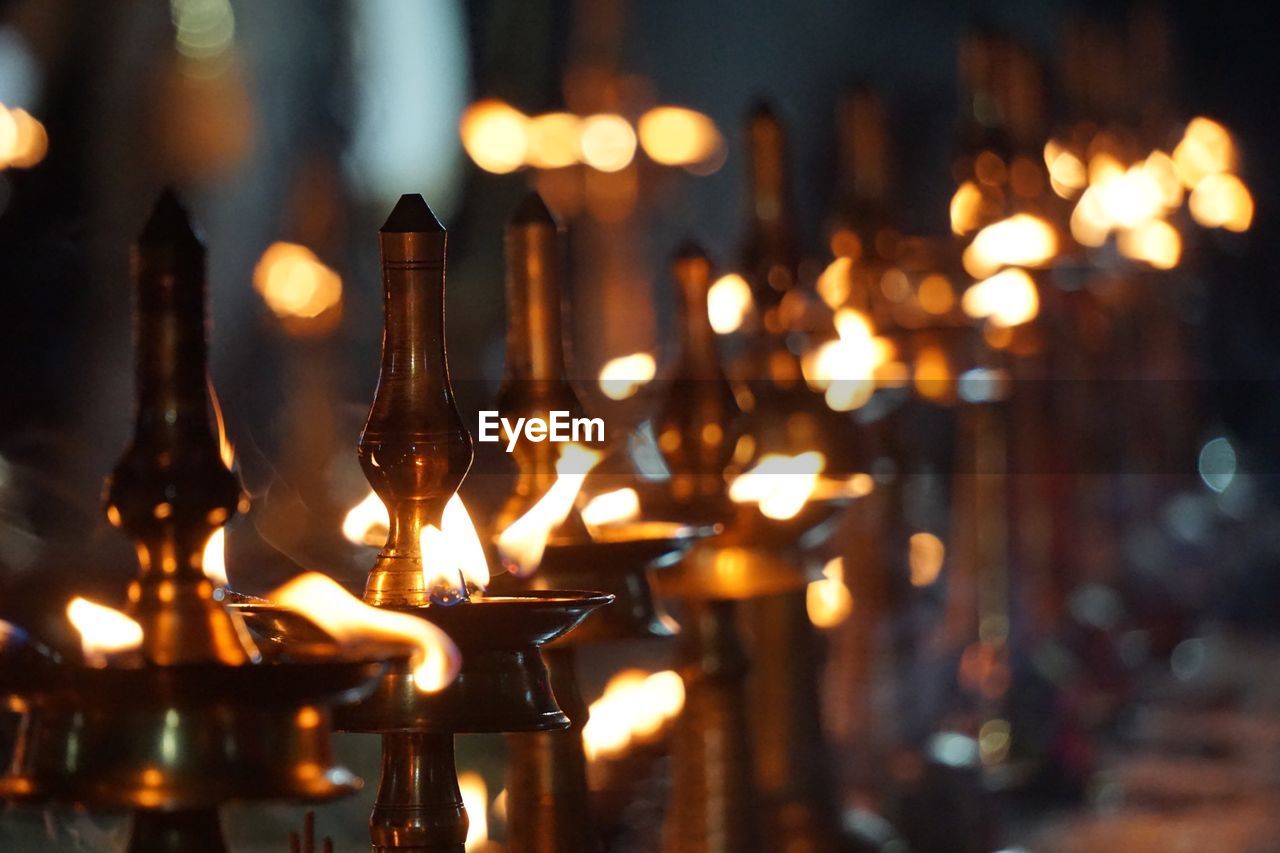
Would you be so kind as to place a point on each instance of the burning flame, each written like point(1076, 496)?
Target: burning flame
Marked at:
point(635, 707)
point(845, 368)
point(553, 140)
point(728, 303)
point(1067, 174)
point(1156, 243)
point(295, 284)
point(103, 630)
point(925, 553)
point(835, 282)
point(675, 136)
point(608, 143)
point(1021, 240)
point(452, 555)
point(475, 797)
point(616, 507)
point(1222, 201)
point(494, 135)
point(367, 523)
point(1008, 298)
point(622, 377)
point(827, 600)
point(350, 621)
point(780, 485)
point(966, 208)
point(214, 561)
point(521, 545)
point(23, 139)
point(1206, 149)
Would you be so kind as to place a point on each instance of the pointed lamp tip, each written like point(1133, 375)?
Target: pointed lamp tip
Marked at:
point(411, 215)
point(169, 224)
point(533, 211)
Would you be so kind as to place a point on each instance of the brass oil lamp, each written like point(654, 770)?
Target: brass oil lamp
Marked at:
point(547, 806)
point(415, 452)
point(195, 716)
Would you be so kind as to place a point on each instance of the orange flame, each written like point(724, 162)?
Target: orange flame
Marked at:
point(675, 136)
point(367, 523)
point(780, 485)
point(214, 561)
point(23, 139)
point(845, 368)
point(452, 555)
point(1206, 149)
point(616, 507)
point(103, 630)
point(475, 797)
point(827, 600)
point(622, 377)
point(925, 553)
point(1008, 298)
point(495, 136)
point(728, 303)
point(350, 621)
point(295, 284)
point(521, 545)
point(966, 208)
point(1021, 240)
point(635, 707)
point(1222, 201)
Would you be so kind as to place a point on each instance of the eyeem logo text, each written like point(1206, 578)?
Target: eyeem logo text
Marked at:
point(558, 427)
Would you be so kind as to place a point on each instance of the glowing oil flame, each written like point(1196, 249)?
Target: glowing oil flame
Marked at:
point(635, 708)
point(1206, 149)
point(1067, 174)
point(367, 522)
point(845, 368)
point(552, 140)
point(494, 135)
point(966, 208)
point(827, 600)
point(1020, 240)
point(925, 553)
point(780, 485)
point(350, 621)
point(452, 555)
point(622, 377)
point(294, 283)
point(1156, 243)
point(23, 139)
point(1222, 201)
point(616, 507)
point(728, 303)
point(835, 282)
point(475, 797)
point(1008, 298)
point(521, 545)
point(103, 630)
point(214, 561)
point(608, 142)
point(675, 136)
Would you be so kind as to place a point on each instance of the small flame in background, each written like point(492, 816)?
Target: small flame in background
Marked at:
point(453, 557)
point(827, 600)
point(23, 139)
point(475, 797)
point(350, 622)
point(925, 554)
point(500, 139)
point(214, 561)
point(522, 544)
point(1020, 240)
point(617, 507)
point(729, 302)
point(297, 286)
point(622, 377)
point(780, 485)
point(1008, 298)
point(635, 708)
point(452, 554)
point(103, 630)
point(846, 368)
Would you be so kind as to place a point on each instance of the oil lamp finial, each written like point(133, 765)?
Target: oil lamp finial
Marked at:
point(415, 449)
point(171, 489)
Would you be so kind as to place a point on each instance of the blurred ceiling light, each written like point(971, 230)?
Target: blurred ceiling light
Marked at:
point(1222, 201)
point(1008, 298)
point(728, 303)
point(552, 140)
point(203, 29)
point(1020, 240)
point(608, 143)
point(495, 136)
point(966, 208)
point(295, 284)
point(1206, 149)
point(675, 136)
point(1156, 243)
point(622, 377)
